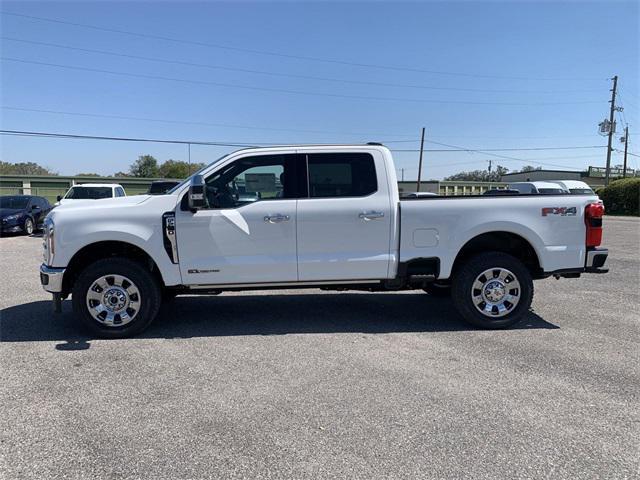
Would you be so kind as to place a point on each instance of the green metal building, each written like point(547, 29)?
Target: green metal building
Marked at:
point(52, 186)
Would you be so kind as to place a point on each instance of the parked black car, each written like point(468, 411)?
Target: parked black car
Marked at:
point(22, 213)
point(160, 187)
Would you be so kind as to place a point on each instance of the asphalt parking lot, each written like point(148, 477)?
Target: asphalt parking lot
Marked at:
point(312, 384)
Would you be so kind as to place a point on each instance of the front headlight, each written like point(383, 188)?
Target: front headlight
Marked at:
point(49, 241)
point(12, 218)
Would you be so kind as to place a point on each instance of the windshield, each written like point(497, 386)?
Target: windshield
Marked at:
point(581, 191)
point(15, 203)
point(188, 179)
point(89, 193)
point(551, 191)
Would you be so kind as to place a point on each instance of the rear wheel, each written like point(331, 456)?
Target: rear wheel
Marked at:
point(493, 290)
point(116, 298)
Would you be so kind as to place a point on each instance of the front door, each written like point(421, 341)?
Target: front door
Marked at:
point(248, 233)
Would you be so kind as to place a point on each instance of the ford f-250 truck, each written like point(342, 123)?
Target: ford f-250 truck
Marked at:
point(312, 216)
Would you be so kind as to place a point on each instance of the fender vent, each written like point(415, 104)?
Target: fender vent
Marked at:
point(169, 235)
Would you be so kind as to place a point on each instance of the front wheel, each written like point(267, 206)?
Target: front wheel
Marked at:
point(116, 298)
point(28, 226)
point(493, 290)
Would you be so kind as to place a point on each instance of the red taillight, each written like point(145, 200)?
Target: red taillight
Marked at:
point(593, 219)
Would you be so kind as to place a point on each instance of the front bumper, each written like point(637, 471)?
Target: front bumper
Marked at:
point(51, 278)
point(11, 228)
point(595, 260)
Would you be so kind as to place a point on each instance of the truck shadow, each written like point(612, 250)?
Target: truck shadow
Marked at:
point(231, 315)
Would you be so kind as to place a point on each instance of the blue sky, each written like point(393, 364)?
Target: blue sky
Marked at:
point(475, 74)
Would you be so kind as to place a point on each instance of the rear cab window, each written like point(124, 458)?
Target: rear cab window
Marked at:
point(341, 175)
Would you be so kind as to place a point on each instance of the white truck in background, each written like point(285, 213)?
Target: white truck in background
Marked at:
point(312, 217)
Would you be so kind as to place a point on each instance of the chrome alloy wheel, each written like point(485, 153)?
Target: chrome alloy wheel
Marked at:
point(113, 300)
point(495, 292)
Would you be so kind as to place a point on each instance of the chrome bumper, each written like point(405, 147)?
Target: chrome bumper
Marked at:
point(595, 260)
point(51, 278)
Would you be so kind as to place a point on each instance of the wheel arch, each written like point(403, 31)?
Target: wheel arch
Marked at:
point(501, 241)
point(106, 249)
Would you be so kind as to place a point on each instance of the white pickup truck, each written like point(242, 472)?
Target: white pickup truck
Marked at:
point(312, 217)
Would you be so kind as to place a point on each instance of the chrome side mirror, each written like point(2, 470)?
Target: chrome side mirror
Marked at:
point(197, 193)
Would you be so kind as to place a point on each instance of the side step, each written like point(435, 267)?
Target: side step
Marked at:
point(421, 279)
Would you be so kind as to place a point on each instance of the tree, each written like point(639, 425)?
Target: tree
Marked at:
point(146, 166)
point(87, 175)
point(121, 174)
point(178, 169)
point(480, 175)
point(529, 168)
point(174, 169)
point(24, 168)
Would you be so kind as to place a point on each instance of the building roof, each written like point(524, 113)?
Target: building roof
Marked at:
point(546, 170)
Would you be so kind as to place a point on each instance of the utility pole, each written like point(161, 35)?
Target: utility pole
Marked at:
point(626, 144)
point(420, 162)
point(611, 120)
point(189, 146)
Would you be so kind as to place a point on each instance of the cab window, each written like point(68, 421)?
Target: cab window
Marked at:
point(341, 175)
point(252, 179)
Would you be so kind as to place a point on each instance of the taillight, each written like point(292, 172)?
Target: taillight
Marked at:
point(593, 219)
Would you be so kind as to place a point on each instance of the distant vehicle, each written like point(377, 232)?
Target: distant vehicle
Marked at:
point(544, 188)
point(575, 187)
point(22, 213)
point(501, 191)
point(92, 191)
point(160, 187)
point(419, 195)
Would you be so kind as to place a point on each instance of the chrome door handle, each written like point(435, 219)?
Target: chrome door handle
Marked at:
point(370, 215)
point(277, 218)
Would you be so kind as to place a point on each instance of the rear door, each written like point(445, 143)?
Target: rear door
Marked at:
point(344, 224)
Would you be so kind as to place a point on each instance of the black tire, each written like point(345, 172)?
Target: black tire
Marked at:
point(28, 227)
point(169, 295)
point(439, 290)
point(463, 290)
point(144, 280)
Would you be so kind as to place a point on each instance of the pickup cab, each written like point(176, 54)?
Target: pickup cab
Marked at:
point(325, 217)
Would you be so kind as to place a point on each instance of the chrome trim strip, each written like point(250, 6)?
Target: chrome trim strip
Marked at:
point(281, 284)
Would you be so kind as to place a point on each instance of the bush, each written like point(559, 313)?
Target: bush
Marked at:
point(621, 196)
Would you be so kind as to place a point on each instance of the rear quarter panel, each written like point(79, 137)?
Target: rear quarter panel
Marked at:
point(440, 227)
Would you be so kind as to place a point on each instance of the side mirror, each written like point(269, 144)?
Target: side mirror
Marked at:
point(58, 198)
point(197, 193)
point(35, 207)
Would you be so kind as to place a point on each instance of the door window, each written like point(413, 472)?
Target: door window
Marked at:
point(252, 179)
point(341, 175)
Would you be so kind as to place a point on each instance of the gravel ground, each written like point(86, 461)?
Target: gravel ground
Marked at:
point(311, 384)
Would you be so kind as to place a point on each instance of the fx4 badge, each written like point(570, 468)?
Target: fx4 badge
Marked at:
point(562, 211)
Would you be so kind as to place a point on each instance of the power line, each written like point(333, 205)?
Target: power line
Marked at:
point(254, 127)
point(291, 75)
point(473, 150)
point(282, 90)
point(226, 144)
point(123, 139)
point(279, 54)
point(210, 124)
